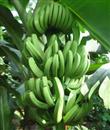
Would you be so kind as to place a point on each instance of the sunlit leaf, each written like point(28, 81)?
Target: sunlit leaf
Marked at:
point(100, 74)
point(104, 92)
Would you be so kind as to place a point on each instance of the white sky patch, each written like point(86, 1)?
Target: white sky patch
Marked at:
point(92, 45)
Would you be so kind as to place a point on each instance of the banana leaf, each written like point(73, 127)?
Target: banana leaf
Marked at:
point(5, 114)
point(95, 16)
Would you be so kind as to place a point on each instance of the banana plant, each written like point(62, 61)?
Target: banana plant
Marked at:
point(53, 89)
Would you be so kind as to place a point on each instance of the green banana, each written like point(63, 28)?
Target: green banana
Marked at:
point(83, 62)
point(51, 13)
point(68, 20)
point(31, 98)
point(61, 64)
point(55, 47)
point(47, 54)
point(58, 111)
point(42, 23)
point(44, 81)
point(59, 91)
point(73, 84)
point(48, 96)
point(29, 22)
point(51, 40)
point(80, 114)
point(46, 17)
point(85, 69)
point(59, 16)
point(66, 81)
point(66, 49)
point(63, 18)
point(69, 63)
point(76, 84)
point(81, 69)
point(47, 67)
point(37, 44)
point(37, 25)
point(30, 84)
point(33, 51)
point(75, 65)
point(38, 89)
point(55, 15)
point(71, 113)
point(55, 65)
point(35, 69)
point(74, 46)
point(46, 92)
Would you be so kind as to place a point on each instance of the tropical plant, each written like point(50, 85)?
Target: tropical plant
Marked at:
point(47, 75)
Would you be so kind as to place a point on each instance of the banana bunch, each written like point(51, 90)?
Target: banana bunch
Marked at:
point(52, 16)
point(81, 62)
point(71, 61)
point(77, 113)
point(58, 67)
point(76, 59)
point(41, 93)
point(50, 104)
point(53, 61)
point(33, 47)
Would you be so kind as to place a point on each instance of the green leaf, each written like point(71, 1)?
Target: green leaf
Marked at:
point(24, 2)
point(8, 2)
point(5, 3)
point(2, 66)
point(9, 22)
point(95, 16)
point(4, 110)
point(94, 67)
point(100, 75)
point(93, 90)
point(104, 92)
point(13, 55)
